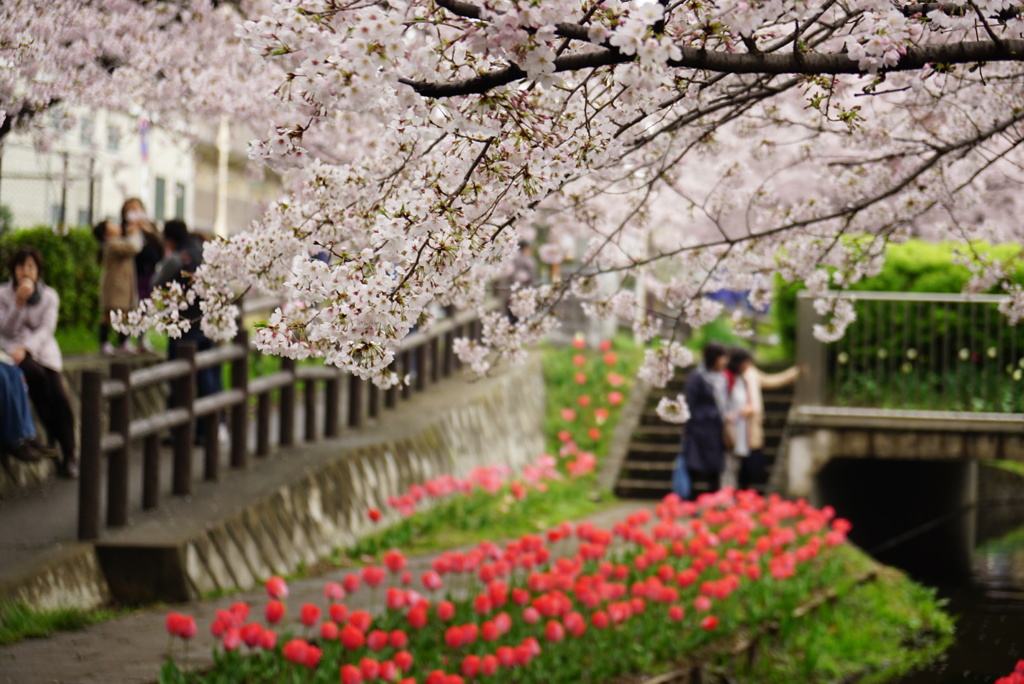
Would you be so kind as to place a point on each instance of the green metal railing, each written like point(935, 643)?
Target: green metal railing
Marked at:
point(916, 351)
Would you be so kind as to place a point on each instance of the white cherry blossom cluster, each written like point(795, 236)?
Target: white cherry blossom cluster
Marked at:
point(673, 409)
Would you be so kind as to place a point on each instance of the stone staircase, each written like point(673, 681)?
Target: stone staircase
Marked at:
point(646, 470)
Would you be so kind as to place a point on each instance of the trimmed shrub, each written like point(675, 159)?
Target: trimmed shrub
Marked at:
point(915, 266)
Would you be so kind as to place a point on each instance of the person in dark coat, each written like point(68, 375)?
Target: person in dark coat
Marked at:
point(183, 255)
point(707, 400)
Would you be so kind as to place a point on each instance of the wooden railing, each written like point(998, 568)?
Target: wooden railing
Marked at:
point(431, 354)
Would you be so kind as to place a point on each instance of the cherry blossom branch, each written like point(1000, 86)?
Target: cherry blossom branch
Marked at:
point(967, 52)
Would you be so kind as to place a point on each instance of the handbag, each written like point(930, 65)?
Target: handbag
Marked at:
point(728, 437)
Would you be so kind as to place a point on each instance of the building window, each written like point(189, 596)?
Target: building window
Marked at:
point(160, 199)
point(179, 201)
point(88, 130)
point(84, 218)
point(113, 139)
point(56, 214)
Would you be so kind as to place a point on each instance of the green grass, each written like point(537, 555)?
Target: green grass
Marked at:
point(81, 340)
point(18, 621)
point(468, 520)
point(874, 632)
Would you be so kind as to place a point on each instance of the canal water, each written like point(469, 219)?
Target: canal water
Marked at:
point(958, 527)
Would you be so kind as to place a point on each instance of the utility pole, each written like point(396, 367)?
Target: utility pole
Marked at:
point(92, 189)
point(62, 225)
point(220, 216)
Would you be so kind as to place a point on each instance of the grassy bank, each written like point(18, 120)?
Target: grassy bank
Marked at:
point(18, 621)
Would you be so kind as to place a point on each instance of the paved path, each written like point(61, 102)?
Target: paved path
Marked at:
point(130, 649)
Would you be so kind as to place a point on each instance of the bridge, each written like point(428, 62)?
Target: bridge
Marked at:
point(935, 377)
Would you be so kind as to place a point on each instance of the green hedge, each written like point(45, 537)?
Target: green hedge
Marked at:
point(71, 268)
point(915, 266)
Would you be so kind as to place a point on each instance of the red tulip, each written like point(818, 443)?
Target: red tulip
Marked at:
point(312, 657)
point(232, 639)
point(709, 623)
point(445, 610)
point(276, 587)
point(417, 618)
point(351, 638)
point(404, 660)
point(702, 603)
point(488, 665)
point(268, 640)
point(615, 398)
point(329, 631)
point(361, 620)
point(470, 666)
point(388, 671)
point(377, 640)
point(436, 677)
point(373, 575)
point(594, 433)
point(580, 378)
point(295, 651)
point(309, 615)
point(394, 561)
point(506, 656)
point(370, 668)
point(489, 631)
point(676, 613)
point(398, 639)
point(374, 514)
point(334, 592)
point(583, 400)
point(453, 679)
point(599, 619)
point(453, 637)
point(432, 580)
point(395, 599)
point(568, 415)
point(610, 358)
point(554, 631)
point(338, 612)
point(252, 634)
point(274, 612)
point(579, 360)
point(350, 674)
point(351, 583)
point(579, 342)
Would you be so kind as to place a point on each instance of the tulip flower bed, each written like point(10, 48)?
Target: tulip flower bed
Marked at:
point(586, 389)
point(577, 604)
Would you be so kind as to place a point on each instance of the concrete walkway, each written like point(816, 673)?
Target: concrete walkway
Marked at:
point(131, 648)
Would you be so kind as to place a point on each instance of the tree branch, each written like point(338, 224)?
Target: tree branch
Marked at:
point(737, 63)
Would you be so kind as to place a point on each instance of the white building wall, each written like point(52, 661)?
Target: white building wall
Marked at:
point(106, 147)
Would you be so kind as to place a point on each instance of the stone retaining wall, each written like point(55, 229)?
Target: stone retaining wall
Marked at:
point(300, 515)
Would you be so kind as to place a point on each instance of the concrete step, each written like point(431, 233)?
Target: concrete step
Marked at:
point(652, 448)
point(650, 466)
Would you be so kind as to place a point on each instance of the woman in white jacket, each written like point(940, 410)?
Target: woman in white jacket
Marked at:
point(746, 463)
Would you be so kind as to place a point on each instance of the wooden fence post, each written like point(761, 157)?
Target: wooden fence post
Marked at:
point(356, 416)
point(151, 472)
point(332, 406)
point(287, 418)
point(184, 397)
point(309, 409)
point(240, 412)
point(89, 476)
point(263, 425)
point(421, 368)
point(117, 466)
